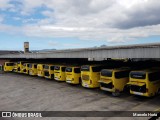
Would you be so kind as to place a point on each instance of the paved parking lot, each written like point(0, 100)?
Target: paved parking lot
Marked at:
point(26, 93)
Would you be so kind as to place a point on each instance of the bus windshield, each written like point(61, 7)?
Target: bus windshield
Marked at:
point(57, 68)
point(85, 68)
point(106, 73)
point(30, 65)
point(138, 75)
point(46, 67)
point(10, 64)
point(68, 69)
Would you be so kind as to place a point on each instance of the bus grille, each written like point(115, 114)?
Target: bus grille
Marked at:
point(136, 88)
point(85, 77)
point(46, 73)
point(110, 86)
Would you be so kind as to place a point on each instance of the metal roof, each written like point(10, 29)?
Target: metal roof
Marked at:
point(151, 50)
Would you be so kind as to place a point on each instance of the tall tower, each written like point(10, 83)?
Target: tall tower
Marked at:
point(26, 47)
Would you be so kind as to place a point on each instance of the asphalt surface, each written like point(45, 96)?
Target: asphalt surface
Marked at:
point(26, 93)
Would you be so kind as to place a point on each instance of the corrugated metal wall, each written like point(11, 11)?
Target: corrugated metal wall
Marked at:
point(137, 52)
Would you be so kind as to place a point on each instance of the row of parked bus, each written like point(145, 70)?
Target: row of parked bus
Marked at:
point(144, 82)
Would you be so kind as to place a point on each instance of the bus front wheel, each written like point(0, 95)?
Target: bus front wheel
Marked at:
point(158, 91)
point(126, 89)
point(116, 93)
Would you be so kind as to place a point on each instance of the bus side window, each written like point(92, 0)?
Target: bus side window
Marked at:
point(77, 70)
point(154, 76)
point(122, 74)
point(63, 69)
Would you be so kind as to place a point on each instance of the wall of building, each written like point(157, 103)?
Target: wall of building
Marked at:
point(3, 61)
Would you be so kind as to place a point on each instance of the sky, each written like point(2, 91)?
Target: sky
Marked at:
point(68, 24)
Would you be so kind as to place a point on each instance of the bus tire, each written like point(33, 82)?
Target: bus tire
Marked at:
point(126, 89)
point(52, 76)
point(158, 92)
point(80, 81)
point(116, 93)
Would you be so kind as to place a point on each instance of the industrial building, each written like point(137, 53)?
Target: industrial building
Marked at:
point(49, 91)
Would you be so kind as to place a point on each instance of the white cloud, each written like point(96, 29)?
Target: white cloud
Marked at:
point(30, 20)
point(105, 34)
point(129, 3)
point(107, 20)
point(17, 18)
point(4, 4)
point(28, 6)
point(53, 43)
point(10, 29)
point(143, 14)
point(1, 19)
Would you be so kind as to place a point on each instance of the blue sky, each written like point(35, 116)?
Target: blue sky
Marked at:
point(67, 24)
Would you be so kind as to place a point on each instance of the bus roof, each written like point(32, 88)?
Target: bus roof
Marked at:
point(49, 64)
point(73, 66)
point(9, 62)
point(118, 69)
point(93, 65)
point(61, 65)
point(147, 70)
point(40, 64)
point(33, 63)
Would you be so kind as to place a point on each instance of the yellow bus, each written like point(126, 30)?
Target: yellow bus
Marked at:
point(90, 75)
point(15, 67)
point(25, 68)
point(8, 66)
point(145, 82)
point(49, 71)
point(59, 73)
point(40, 70)
point(33, 69)
point(20, 66)
point(73, 75)
point(114, 80)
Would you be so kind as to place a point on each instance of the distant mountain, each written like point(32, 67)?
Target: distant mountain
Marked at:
point(103, 46)
point(41, 51)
